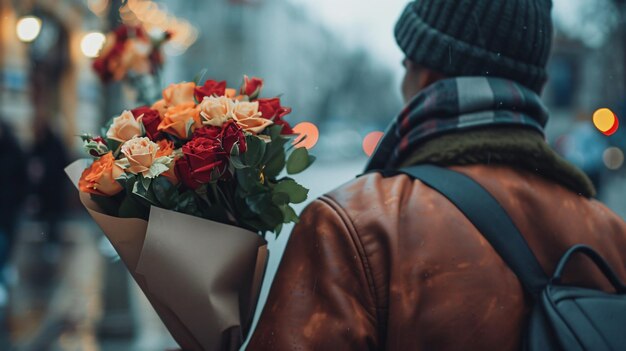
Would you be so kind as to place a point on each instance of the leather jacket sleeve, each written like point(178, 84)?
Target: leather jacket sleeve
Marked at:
point(321, 298)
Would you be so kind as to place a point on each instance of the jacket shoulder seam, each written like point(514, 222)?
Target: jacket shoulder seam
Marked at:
point(347, 221)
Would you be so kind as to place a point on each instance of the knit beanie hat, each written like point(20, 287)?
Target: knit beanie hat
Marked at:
point(502, 38)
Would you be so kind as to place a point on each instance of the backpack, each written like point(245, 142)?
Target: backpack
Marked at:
point(563, 317)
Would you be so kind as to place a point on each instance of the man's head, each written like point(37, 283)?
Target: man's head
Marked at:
point(451, 38)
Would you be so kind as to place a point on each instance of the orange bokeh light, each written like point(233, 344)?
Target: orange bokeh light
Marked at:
point(371, 142)
point(309, 130)
point(606, 121)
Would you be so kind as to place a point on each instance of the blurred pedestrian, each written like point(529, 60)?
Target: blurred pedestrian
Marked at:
point(12, 193)
point(46, 164)
point(387, 263)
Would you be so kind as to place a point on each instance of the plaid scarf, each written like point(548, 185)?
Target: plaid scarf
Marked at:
point(454, 105)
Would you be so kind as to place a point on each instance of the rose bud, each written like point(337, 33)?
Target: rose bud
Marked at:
point(251, 87)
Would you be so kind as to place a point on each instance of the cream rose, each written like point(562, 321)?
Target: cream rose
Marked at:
point(180, 93)
point(249, 118)
point(140, 153)
point(142, 157)
point(215, 111)
point(124, 127)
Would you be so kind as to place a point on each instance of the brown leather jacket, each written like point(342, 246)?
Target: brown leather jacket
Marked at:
point(390, 264)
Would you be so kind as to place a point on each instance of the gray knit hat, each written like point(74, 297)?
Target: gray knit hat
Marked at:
point(503, 38)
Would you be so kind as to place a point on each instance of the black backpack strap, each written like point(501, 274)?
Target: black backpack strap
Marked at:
point(484, 211)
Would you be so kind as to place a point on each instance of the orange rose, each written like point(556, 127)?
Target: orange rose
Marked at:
point(181, 120)
point(124, 127)
point(249, 118)
point(140, 153)
point(100, 177)
point(166, 148)
point(160, 106)
point(180, 93)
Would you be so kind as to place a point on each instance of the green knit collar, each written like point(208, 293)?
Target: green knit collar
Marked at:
point(520, 148)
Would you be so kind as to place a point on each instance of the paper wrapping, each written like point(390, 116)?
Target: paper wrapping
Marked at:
point(202, 277)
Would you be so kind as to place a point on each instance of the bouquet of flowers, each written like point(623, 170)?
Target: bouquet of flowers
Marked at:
point(130, 54)
point(183, 189)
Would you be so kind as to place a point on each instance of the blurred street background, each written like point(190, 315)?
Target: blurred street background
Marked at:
point(335, 62)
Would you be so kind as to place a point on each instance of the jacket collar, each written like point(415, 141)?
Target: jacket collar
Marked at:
point(520, 148)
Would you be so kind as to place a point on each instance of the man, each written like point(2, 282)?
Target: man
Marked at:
point(389, 263)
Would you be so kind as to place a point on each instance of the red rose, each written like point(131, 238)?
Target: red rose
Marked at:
point(183, 172)
point(210, 132)
point(272, 110)
point(102, 65)
point(207, 159)
point(210, 88)
point(231, 134)
point(251, 87)
point(150, 119)
point(123, 32)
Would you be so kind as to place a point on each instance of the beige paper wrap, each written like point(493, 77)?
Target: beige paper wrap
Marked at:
point(202, 277)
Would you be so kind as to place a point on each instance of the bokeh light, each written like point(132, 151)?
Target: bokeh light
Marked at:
point(613, 158)
point(606, 121)
point(28, 28)
point(309, 132)
point(371, 142)
point(92, 43)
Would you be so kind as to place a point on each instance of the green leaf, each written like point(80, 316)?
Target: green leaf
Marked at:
point(144, 194)
point(132, 208)
point(249, 180)
point(114, 146)
point(272, 216)
point(236, 162)
point(109, 204)
point(275, 165)
point(156, 169)
point(289, 214)
point(297, 193)
point(164, 192)
point(280, 199)
point(259, 203)
point(187, 203)
point(274, 131)
point(145, 182)
point(126, 180)
point(254, 152)
point(298, 161)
